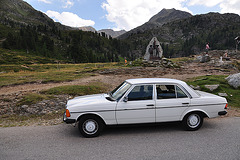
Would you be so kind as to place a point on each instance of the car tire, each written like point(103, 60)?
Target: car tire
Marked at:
point(192, 121)
point(90, 126)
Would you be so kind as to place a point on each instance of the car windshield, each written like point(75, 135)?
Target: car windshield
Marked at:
point(118, 92)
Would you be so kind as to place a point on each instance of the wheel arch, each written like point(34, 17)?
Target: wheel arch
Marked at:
point(91, 114)
point(202, 112)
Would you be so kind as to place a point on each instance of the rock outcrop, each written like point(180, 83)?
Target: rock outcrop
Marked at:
point(234, 80)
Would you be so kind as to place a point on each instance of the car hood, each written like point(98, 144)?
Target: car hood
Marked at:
point(89, 102)
point(86, 100)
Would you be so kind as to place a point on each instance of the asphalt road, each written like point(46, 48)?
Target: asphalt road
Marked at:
point(217, 139)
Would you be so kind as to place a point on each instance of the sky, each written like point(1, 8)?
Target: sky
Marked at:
point(124, 14)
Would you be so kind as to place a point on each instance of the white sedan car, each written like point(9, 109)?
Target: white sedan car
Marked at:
point(145, 100)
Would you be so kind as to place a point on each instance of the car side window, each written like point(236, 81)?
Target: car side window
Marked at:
point(180, 93)
point(143, 92)
point(165, 91)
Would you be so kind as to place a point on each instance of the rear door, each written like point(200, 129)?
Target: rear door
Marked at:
point(171, 102)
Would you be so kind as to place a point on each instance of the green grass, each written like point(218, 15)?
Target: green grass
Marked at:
point(44, 77)
point(33, 98)
point(233, 94)
point(76, 90)
point(44, 73)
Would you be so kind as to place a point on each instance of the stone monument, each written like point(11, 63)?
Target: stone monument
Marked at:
point(154, 50)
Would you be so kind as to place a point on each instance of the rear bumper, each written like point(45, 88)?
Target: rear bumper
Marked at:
point(222, 113)
point(66, 120)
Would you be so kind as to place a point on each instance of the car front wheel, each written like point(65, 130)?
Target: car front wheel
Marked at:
point(192, 121)
point(90, 126)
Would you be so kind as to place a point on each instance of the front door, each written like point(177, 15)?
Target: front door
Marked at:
point(138, 106)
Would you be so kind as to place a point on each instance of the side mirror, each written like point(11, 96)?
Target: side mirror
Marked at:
point(125, 99)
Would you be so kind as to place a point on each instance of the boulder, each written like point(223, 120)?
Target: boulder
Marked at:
point(199, 58)
point(212, 87)
point(234, 80)
point(205, 58)
point(223, 94)
point(195, 87)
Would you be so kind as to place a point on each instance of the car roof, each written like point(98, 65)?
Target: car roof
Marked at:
point(163, 80)
point(153, 80)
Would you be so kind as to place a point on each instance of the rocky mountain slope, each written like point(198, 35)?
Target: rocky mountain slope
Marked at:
point(19, 13)
point(168, 15)
point(87, 29)
point(186, 36)
point(163, 17)
point(112, 33)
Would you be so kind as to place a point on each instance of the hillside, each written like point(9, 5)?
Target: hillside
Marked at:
point(25, 29)
point(188, 36)
point(17, 13)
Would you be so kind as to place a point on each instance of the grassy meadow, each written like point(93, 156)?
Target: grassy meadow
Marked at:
point(44, 73)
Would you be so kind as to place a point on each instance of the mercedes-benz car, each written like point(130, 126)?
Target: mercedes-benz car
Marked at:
point(145, 100)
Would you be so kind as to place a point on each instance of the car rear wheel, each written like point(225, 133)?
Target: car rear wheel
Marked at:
point(192, 121)
point(90, 126)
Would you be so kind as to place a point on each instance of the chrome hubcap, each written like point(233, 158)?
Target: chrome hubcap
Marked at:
point(90, 126)
point(193, 120)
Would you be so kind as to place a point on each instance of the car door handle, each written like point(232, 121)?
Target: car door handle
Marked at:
point(185, 104)
point(149, 105)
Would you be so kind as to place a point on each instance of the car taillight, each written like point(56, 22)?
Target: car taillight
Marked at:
point(67, 113)
point(226, 106)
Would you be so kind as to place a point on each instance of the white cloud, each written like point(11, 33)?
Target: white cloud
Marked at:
point(45, 1)
point(68, 3)
point(128, 14)
point(230, 6)
point(69, 19)
point(226, 6)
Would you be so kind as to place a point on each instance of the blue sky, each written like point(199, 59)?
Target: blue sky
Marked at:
point(123, 14)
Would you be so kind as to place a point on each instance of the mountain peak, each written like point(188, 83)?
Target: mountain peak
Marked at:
point(168, 15)
point(161, 18)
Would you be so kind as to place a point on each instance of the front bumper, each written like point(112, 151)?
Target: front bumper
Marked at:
point(222, 113)
point(66, 120)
